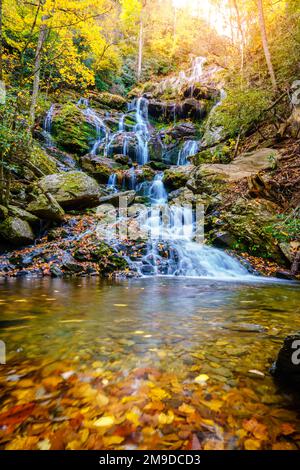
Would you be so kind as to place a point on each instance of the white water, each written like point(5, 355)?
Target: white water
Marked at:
point(47, 126)
point(112, 182)
point(171, 249)
point(102, 131)
point(141, 128)
point(189, 149)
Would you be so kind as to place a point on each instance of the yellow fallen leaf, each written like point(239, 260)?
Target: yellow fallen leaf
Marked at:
point(133, 417)
point(101, 400)
point(213, 405)
point(252, 444)
point(187, 409)
point(201, 379)
point(120, 305)
point(164, 418)
point(105, 422)
point(111, 440)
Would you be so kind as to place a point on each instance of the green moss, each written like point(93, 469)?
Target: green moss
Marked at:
point(71, 131)
point(109, 100)
point(41, 160)
point(175, 179)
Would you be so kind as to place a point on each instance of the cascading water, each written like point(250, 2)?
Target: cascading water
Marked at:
point(189, 149)
point(141, 128)
point(157, 191)
point(112, 182)
point(170, 247)
point(47, 126)
point(102, 131)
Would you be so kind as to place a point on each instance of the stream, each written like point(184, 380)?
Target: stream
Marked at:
point(168, 361)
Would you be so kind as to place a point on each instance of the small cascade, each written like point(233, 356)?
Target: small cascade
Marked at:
point(112, 182)
point(192, 76)
point(213, 135)
point(102, 131)
point(122, 123)
point(189, 149)
point(170, 250)
point(132, 179)
point(157, 191)
point(141, 128)
point(47, 126)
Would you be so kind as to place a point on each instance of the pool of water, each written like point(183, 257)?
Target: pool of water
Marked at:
point(153, 363)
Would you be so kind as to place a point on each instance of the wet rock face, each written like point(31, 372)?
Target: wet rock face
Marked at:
point(16, 231)
point(73, 189)
point(99, 167)
point(190, 108)
point(247, 222)
point(71, 129)
point(287, 365)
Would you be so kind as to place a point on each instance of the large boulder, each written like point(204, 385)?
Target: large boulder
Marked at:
point(244, 166)
point(100, 167)
point(22, 214)
point(176, 178)
point(246, 224)
point(72, 190)
point(44, 209)
point(72, 129)
point(16, 231)
point(115, 199)
point(167, 111)
point(107, 100)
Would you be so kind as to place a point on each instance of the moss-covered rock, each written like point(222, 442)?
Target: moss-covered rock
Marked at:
point(71, 129)
point(46, 163)
point(72, 190)
point(42, 208)
point(99, 167)
point(22, 214)
point(175, 178)
point(16, 231)
point(3, 212)
point(245, 224)
point(108, 100)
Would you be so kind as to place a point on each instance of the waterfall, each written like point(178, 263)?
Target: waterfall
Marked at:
point(112, 182)
point(189, 149)
point(122, 123)
point(140, 106)
point(102, 131)
point(132, 179)
point(170, 246)
point(157, 191)
point(47, 126)
point(213, 135)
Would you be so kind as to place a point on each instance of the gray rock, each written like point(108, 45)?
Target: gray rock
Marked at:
point(114, 199)
point(22, 214)
point(16, 231)
point(42, 208)
point(72, 190)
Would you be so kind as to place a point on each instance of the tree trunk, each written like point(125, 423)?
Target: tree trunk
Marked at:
point(265, 43)
point(37, 71)
point(140, 57)
point(295, 269)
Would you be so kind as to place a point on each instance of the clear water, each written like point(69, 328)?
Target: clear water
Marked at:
point(141, 344)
